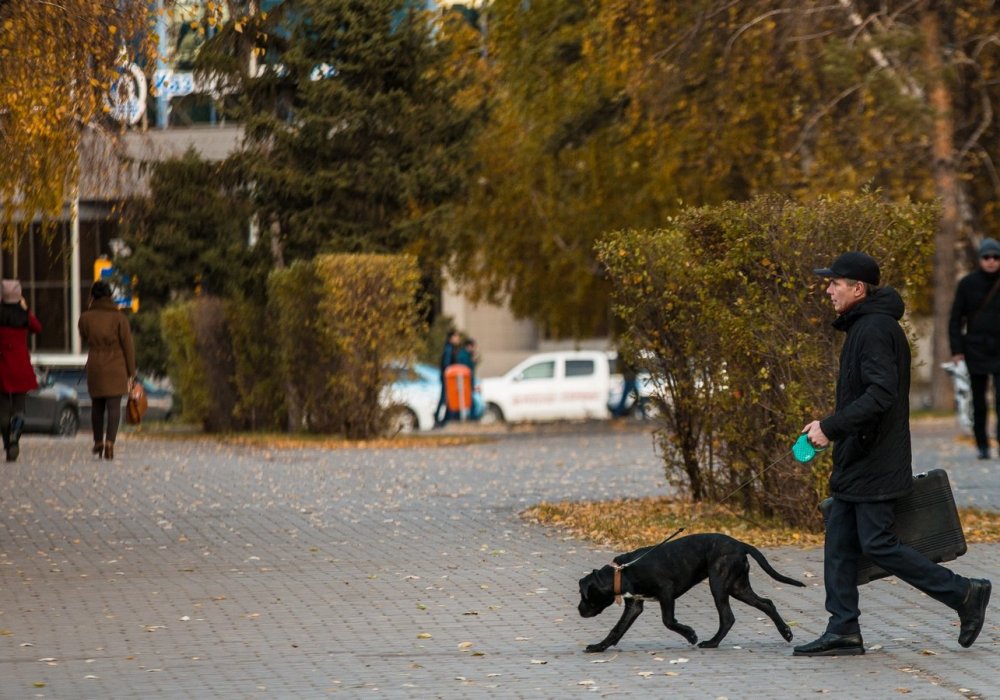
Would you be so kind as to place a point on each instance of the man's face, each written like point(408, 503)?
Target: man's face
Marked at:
point(844, 294)
point(989, 263)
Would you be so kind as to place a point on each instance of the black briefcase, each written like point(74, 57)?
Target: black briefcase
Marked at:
point(926, 519)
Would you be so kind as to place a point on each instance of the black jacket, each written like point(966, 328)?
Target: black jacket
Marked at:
point(870, 427)
point(980, 342)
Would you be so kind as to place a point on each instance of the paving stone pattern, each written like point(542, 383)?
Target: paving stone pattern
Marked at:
point(186, 569)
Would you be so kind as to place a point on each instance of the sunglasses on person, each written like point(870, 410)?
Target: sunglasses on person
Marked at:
point(990, 256)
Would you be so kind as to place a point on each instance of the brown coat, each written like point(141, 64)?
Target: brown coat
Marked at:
point(111, 356)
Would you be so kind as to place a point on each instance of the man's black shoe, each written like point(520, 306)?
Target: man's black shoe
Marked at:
point(984, 453)
point(972, 614)
point(831, 644)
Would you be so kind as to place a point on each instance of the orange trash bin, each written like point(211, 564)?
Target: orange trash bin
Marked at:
point(458, 389)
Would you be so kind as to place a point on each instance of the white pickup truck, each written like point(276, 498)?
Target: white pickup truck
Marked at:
point(558, 385)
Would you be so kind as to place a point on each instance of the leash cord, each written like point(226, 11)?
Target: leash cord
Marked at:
point(627, 564)
point(746, 483)
point(757, 475)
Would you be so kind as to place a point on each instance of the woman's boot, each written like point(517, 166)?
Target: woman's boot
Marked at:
point(13, 442)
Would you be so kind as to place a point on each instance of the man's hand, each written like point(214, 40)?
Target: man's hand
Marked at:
point(815, 435)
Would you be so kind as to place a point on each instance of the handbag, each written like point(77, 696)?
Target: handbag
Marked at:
point(135, 407)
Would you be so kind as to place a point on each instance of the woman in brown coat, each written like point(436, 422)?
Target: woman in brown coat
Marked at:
point(110, 364)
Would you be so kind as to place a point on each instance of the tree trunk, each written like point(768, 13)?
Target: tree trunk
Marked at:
point(947, 188)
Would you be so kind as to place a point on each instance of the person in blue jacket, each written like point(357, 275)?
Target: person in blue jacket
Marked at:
point(449, 356)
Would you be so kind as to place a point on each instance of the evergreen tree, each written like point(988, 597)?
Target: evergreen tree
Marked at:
point(350, 129)
point(188, 236)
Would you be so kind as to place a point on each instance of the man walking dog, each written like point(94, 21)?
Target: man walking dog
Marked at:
point(870, 430)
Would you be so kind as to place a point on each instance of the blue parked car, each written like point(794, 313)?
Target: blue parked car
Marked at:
point(414, 395)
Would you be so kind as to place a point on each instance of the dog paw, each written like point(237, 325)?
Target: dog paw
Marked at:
point(595, 648)
point(709, 644)
point(787, 634)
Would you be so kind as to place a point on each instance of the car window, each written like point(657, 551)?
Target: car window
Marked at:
point(579, 368)
point(408, 374)
point(540, 370)
point(71, 377)
point(428, 374)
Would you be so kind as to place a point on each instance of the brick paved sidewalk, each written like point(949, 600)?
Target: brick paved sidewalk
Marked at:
point(191, 570)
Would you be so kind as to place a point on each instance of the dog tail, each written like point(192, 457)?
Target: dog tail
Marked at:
point(766, 566)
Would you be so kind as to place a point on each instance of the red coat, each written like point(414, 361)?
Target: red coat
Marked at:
point(16, 374)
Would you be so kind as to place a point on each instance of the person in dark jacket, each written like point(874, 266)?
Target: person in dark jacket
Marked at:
point(974, 335)
point(17, 377)
point(468, 355)
point(870, 429)
point(449, 357)
point(110, 364)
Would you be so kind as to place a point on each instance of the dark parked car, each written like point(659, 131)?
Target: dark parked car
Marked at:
point(70, 370)
point(51, 408)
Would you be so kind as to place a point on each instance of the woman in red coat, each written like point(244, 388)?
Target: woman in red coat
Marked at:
point(17, 377)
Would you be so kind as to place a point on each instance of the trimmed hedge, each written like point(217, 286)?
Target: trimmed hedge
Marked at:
point(723, 309)
point(316, 358)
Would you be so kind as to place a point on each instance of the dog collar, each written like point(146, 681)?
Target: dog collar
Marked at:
point(618, 582)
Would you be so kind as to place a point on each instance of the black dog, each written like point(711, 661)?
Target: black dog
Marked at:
point(668, 572)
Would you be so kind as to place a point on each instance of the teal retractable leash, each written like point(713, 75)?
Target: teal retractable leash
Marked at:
point(803, 450)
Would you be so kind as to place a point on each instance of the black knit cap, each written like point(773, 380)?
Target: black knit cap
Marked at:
point(853, 266)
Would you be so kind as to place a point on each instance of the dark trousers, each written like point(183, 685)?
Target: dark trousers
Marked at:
point(978, 382)
point(110, 406)
point(11, 406)
point(853, 529)
point(629, 388)
point(439, 419)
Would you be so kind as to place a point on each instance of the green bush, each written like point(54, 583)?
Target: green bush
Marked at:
point(723, 309)
point(370, 318)
point(260, 403)
point(304, 360)
point(184, 363)
point(339, 322)
point(200, 361)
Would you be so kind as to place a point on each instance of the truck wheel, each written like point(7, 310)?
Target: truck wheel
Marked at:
point(403, 420)
point(492, 415)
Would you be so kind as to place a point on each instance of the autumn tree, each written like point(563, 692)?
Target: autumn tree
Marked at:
point(616, 113)
point(549, 172)
point(58, 61)
point(811, 97)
